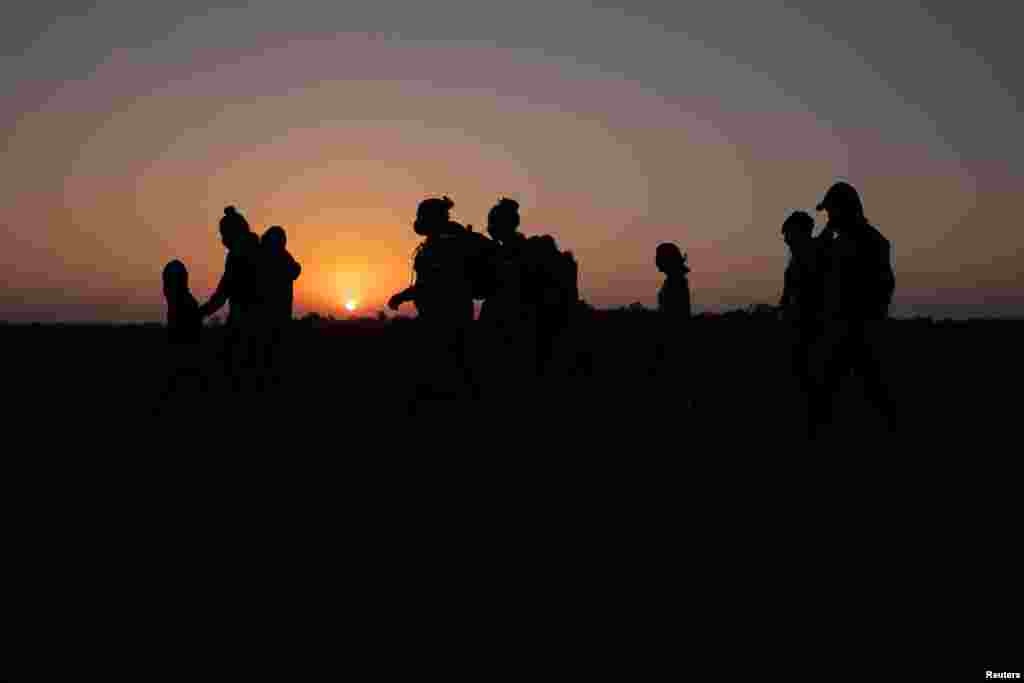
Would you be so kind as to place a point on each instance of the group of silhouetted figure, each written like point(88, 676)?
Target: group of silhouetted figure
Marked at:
point(258, 282)
point(838, 286)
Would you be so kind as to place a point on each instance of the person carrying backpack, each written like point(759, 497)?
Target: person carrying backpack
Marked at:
point(553, 286)
point(509, 315)
point(448, 276)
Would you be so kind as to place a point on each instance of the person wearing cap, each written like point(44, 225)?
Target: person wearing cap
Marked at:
point(858, 285)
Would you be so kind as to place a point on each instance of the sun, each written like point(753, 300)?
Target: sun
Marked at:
point(351, 305)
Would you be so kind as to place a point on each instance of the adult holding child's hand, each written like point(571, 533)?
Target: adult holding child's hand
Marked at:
point(242, 286)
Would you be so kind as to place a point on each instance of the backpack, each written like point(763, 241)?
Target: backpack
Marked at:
point(552, 276)
point(468, 252)
point(480, 267)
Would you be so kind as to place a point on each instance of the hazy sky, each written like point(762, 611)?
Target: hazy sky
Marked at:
point(128, 126)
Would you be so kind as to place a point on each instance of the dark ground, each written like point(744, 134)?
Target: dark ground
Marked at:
point(603, 496)
point(956, 384)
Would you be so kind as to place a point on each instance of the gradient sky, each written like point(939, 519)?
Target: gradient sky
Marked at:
point(128, 126)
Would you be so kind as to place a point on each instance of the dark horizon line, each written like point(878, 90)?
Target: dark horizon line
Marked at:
point(628, 308)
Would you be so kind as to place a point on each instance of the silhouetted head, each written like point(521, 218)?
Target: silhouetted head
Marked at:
point(175, 278)
point(274, 238)
point(432, 215)
point(843, 204)
point(503, 219)
point(798, 226)
point(670, 260)
point(232, 226)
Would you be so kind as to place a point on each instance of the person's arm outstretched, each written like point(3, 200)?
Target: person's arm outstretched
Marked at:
point(220, 296)
point(407, 294)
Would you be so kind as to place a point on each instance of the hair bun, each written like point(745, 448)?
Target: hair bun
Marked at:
point(507, 203)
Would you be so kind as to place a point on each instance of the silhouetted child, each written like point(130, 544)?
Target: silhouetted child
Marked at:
point(184, 326)
point(183, 321)
point(280, 270)
point(800, 304)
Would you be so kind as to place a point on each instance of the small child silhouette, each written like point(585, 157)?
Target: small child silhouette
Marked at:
point(184, 325)
point(183, 320)
point(280, 270)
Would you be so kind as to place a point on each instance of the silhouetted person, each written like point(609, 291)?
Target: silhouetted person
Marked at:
point(280, 270)
point(800, 304)
point(674, 295)
point(858, 285)
point(183, 320)
point(674, 311)
point(184, 326)
point(443, 293)
point(509, 315)
point(242, 284)
point(556, 275)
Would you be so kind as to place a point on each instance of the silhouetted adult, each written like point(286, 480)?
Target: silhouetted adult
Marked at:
point(509, 315)
point(443, 293)
point(242, 285)
point(858, 285)
point(556, 274)
point(673, 334)
point(674, 295)
point(535, 294)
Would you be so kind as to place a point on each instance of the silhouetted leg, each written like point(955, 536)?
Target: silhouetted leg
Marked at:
point(463, 363)
point(867, 362)
point(441, 369)
point(232, 357)
point(276, 355)
point(829, 364)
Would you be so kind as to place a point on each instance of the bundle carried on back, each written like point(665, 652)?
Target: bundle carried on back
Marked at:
point(553, 274)
point(458, 252)
point(482, 252)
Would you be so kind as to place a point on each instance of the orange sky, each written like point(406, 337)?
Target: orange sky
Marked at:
point(123, 158)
